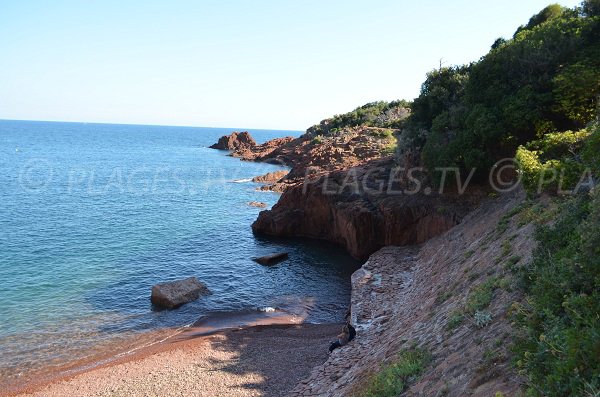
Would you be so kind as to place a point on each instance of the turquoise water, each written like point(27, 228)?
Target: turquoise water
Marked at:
point(93, 215)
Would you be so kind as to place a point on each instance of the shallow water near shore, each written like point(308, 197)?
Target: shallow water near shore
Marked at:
point(93, 215)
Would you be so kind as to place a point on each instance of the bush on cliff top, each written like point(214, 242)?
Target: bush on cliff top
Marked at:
point(546, 79)
point(375, 114)
point(560, 162)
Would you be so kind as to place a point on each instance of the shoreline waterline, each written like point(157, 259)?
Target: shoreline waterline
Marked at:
point(151, 342)
point(85, 240)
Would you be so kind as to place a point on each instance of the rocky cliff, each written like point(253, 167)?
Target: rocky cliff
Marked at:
point(363, 209)
point(345, 188)
point(235, 141)
point(450, 296)
point(313, 155)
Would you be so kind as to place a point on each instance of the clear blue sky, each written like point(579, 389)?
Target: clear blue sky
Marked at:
point(249, 64)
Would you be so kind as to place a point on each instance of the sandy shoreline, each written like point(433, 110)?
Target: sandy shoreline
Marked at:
point(261, 360)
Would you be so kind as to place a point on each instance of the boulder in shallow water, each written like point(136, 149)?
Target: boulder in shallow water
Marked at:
point(271, 259)
point(173, 294)
point(257, 204)
point(270, 177)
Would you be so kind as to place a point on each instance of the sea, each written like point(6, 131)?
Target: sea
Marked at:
point(93, 215)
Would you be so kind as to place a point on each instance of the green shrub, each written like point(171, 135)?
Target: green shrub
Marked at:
point(482, 318)
point(382, 133)
point(559, 347)
point(544, 80)
point(380, 114)
point(391, 380)
point(481, 296)
point(558, 144)
point(562, 171)
point(591, 150)
point(456, 319)
point(317, 140)
point(530, 168)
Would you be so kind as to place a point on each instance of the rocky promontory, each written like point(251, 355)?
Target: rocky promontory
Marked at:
point(235, 141)
point(312, 155)
point(343, 187)
point(362, 211)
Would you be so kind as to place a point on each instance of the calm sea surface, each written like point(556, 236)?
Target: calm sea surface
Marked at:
point(93, 215)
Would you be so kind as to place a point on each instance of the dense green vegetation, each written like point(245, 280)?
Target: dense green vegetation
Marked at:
point(375, 114)
point(545, 79)
point(534, 96)
point(392, 379)
point(559, 351)
point(560, 162)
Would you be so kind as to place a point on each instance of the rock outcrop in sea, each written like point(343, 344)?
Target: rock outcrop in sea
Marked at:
point(257, 204)
point(272, 259)
point(358, 210)
point(173, 294)
point(235, 141)
point(345, 189)
point(270, 177)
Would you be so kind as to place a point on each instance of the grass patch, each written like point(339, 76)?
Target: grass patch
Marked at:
point(504, 222)
point(512, 262)
point(382, 133)
point(455, 320)
point(443, 297)
point(490, 358)
point(481, 295)
point(506, 248)
point(391, 147)
point(504, 283)
point(317, 140)
point(537, 214)
point(392, 379)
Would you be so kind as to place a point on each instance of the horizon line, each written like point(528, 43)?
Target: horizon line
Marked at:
point(233, 129)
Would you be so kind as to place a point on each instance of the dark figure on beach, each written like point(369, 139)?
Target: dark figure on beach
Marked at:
point(348, 333)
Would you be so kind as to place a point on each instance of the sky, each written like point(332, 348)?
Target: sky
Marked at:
point(272, 64)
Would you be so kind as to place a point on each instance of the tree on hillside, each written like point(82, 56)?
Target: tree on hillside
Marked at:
point(546, 79)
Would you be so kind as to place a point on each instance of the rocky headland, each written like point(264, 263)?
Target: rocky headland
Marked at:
point(348, 189)
point(427, 252)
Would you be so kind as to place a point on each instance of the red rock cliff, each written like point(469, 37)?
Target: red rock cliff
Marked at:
point(355, 209)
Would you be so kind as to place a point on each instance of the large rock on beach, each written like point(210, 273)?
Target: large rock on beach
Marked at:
point(173, 294)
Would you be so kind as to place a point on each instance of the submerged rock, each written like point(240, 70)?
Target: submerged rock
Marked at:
point(271, 259)
point(173, 294)
point(270, 177)
point(257, 204)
